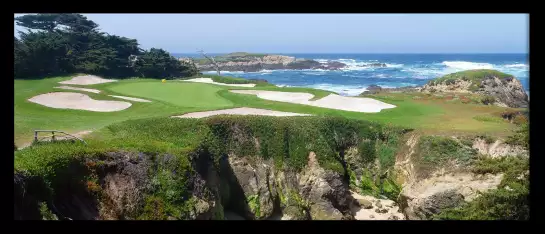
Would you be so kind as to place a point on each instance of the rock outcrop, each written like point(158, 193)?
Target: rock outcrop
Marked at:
point(496, 87)
point(375, 89)
point(498, 148)
point(423, 199)
point(252, 62)
point(248, 188)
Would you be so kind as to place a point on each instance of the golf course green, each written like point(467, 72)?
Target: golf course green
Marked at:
point(177, 97)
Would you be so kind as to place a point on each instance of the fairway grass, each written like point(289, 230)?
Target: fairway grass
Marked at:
point(177, 98)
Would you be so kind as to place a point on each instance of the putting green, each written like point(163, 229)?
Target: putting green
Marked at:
point(177, 93)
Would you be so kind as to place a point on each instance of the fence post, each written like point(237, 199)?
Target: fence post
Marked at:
point(35, 136)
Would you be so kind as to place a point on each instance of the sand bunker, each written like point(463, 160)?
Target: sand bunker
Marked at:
point(130, 98)
point(86, 80)
point(238, 111)
point(210, 81)
point(78, 101)
point(332, 101)
point(80, 89)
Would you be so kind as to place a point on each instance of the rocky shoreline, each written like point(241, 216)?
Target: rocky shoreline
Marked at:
point(252, 63)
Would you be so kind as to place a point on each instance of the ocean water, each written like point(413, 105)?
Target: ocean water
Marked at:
point(401, 70)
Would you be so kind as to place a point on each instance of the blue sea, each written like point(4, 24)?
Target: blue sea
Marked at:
point(401, 70)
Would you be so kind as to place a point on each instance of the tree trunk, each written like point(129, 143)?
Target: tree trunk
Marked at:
point(211, 60)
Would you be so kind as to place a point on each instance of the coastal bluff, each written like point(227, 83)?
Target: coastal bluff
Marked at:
point(249, 62)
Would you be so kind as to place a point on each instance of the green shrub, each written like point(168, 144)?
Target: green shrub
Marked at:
point(255, 205)
point(367, 151)
point(488, 100)
point(437, 151)
point(509, 201)
point(487, 138)
point(521, 137)
point(367, 185)
point(391, 189)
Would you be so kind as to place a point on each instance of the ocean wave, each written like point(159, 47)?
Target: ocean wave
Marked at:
point(467, 65)
point(393, 65)
point(344, 90)
point(517, 65)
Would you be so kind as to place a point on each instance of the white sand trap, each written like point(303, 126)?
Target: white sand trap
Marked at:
point(238, 111)
point(78, 101)
point(130, 98)
point(210, 81)
point(332, 101)
point(86, 80)
point(80, 89)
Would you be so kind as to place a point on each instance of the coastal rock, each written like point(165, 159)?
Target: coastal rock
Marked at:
point(495, 87)
point(256, 62)
point(498, 148)
point(375, 89)
point(303, 64)
point(257, 184)
point(425, 198)
point(332, 65)
point(375, 65)
point(329, 197)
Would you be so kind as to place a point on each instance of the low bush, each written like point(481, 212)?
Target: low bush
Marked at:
point(510, 201)
point(488, 100)
point(437, 151)
point(520, 137)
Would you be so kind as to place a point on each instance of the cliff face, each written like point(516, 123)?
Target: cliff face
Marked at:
point(300, 169)
point(499, 88)
point(250, 189)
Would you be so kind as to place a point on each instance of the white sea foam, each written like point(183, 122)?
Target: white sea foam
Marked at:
point(467, 65)
point(344, 90)
point(519, 65)
point(393, 65)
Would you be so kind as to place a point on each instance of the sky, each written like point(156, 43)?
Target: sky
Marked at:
point(322, 33)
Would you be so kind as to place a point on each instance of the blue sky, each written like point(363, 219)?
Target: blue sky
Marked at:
point(322, 33)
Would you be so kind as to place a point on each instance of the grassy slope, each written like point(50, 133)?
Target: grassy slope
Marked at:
point(175, 97)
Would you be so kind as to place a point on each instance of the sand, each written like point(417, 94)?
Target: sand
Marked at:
point(238, 111)
point(210, 81)
point(332, 101)
point(86, 80)
point(78, 101)
point(80, 89)
point(390, 206)
point(130, 98)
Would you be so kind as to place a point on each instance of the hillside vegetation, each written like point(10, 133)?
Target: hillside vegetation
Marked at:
point(475, 76)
